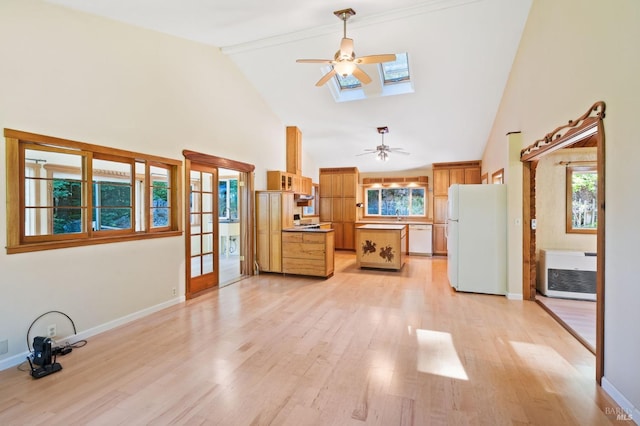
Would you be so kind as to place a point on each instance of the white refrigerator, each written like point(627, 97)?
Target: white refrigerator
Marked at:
point(477, 238)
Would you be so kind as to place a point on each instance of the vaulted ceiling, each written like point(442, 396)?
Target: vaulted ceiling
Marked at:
point(460, 55)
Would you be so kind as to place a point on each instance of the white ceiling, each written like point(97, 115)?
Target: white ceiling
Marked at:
point(460, 55)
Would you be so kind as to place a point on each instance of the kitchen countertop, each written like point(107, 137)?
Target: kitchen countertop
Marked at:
point(306, 228)
point(393, 222)
point(384, 226)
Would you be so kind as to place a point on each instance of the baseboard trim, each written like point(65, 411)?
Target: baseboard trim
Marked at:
point(22, 357)
point(514, 296)
point(628, 412)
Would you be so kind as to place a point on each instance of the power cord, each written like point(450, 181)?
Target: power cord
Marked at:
point(68, 347)
point(46, 313)
point(56, 350)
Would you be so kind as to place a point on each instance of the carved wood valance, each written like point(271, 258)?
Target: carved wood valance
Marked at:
point(564, 135)
point(423, 180)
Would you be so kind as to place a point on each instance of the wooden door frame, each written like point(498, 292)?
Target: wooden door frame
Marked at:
point(590, 124)
point(246, 207)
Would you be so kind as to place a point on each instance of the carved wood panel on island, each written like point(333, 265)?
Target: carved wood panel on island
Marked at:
point(381, 246)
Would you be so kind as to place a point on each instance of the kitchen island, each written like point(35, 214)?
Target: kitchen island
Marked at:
point(381, 246)
point(308, 251)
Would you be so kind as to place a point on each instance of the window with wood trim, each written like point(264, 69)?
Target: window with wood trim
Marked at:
point(405, 201)
point(63, 193)
point(582, 200)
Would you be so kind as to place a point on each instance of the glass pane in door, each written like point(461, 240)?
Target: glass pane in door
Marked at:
point(202, 228)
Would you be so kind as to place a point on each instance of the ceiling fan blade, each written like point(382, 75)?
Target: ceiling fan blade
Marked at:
point(369, 151)
point(398, 151)
point(326, 78)
point(346, 47)
point(375, 59)
point(314, 61)
point(361, 75)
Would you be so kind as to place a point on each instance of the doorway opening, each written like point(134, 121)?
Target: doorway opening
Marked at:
point(586, 132)
point(228, 227)
point(219, 215)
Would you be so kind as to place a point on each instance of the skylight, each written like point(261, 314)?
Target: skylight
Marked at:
point(348, 82)
point(396, 71)
point(393, 79)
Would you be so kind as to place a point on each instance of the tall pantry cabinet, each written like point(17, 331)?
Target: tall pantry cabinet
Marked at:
point(338, 199)
point(445, 175)
point(274, 212)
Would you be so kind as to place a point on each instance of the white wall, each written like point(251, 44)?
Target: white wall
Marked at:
point(573, 53)
point(79, 77)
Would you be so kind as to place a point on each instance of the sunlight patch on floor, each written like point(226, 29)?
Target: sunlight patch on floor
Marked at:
point(437, 355)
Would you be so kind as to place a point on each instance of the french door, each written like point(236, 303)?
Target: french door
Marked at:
point(202, 232)
point(206, 205)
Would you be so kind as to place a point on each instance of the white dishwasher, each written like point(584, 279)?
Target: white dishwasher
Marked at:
point(420, 240)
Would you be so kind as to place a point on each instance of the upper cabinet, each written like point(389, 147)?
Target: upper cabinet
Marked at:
point(291, 180)
point(445, 175)
point(294, 150)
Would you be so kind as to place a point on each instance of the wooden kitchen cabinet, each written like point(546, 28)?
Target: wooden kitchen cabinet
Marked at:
point(325, 185)
point(348, 210)
point(445, 175)
point(339, 194)
point(337, 209)
point(456, 176)
point(349, 185)
point(294, 150)
point(336, 185)
point(283, 181)
point(439, 238)
point(325, 209)
point(440, 207)
point(274, 212)
point(307, 185)
point(308, 253)
point(472, 175)
point(349, 235)
point(338, 228)
point(384, 246)
point(440, 182)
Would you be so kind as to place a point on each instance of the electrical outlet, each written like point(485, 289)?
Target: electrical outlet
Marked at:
point(51, 330)
point(4, 346)
point(174, 291)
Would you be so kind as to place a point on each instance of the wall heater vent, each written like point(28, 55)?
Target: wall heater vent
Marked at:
point(567, 274)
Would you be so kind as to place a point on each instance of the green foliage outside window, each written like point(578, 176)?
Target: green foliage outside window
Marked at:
point(228, 199)
point(67, 194)
point(584, 200)
point(395, 202)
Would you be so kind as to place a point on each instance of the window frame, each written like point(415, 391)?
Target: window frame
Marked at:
point(569, 229)
point(227, 181)
point(313, 203)
point(49, 171)
point(380, 188)
point(17, 242)
point(397, 80)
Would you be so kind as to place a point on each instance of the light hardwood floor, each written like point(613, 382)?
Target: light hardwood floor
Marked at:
point(363, 347)
point(578, 316)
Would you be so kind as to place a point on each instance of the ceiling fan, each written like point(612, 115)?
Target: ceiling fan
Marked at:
point(345, 61)
point(382, 151)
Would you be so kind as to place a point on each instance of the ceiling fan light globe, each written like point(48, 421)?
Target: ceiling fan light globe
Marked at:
point(344, 68)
